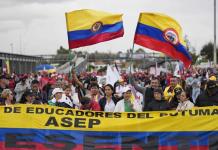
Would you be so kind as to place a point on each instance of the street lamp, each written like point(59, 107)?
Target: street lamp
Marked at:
point(12, 47)
point(214, 48)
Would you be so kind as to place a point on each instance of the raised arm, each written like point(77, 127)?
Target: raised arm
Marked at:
point(76, 79)
point(137, 87)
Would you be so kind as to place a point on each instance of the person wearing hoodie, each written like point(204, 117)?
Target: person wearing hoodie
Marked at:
point(208, 97)
point(158, 103)
point(175, 100)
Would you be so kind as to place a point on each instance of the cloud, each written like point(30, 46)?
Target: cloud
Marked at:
point(7, 26)
point(41, 24)
point(9, 3)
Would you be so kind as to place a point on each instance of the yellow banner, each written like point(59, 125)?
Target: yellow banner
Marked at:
point(48, 117)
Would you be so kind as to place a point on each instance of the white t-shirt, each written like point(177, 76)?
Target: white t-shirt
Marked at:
point(184, 105)
point(110, 106)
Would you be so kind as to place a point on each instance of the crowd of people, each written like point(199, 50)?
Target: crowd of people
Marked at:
point(134, 92)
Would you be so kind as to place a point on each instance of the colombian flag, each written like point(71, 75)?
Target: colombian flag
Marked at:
point(86, 27)
point(162, 33)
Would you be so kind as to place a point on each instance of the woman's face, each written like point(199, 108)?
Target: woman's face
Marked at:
point(94, 90)
point(108, 91)
point(127, 95)
point(183, 97)
point(58, 96)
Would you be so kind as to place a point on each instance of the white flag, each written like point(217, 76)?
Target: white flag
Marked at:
point(176, 72)
point(116, 73)
point(111, 77)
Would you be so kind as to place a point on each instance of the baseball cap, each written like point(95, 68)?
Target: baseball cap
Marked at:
point(126, 89)
point(57, 90)
point(211, 84)
point(212, 78)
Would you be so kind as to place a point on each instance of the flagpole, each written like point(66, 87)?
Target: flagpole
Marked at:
point(69, 53)
point(214, 48)
point(131, 58)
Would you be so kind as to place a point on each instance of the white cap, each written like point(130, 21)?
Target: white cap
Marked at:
point(178, 76)
point(57, 90)
point(126, 88)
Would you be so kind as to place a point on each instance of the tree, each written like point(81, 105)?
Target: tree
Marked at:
point(140, 51)
point(207, 51)
point(62, 50)
point(194, 57)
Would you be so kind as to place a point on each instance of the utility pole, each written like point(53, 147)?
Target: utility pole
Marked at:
point(214, 48)
point(12, 47)
point(12, 61)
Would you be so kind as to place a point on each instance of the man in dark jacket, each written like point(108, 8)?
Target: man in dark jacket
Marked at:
point(209, 97)
point(147, 92)
point(158, 103)
point(39, 96)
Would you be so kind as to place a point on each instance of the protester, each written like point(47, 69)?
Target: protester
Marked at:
point(89, 104)
point(48, 88)
point(173, 103)
point(188, 82)
point(59, 99)
point(126, 105)
point(72, 96)
point(3, 83)
point(147, 92)
point(169, 90)
point(184, 103)
point(93, 80)
point(196, 84)
point(29, 98)
point(118, 93)
point(39, 96)
point(158, 103)
point(94, 93)
point(209, 97)
point(7, 97)
point(108, 102)
point(20, 88)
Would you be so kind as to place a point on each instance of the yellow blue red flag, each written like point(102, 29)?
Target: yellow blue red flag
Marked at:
point(164, 34)
point(86, 27)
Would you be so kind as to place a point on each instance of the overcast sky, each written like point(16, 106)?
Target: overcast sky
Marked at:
point(36, 27)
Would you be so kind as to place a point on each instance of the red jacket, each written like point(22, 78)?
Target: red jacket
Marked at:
point(92, 105)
